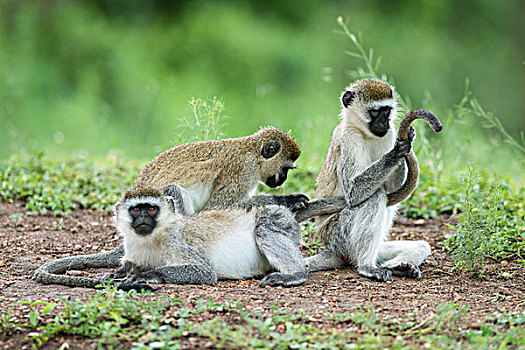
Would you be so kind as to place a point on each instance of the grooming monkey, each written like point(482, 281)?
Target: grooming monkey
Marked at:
point(219, 173)
point(222, 173)
point(366, 164)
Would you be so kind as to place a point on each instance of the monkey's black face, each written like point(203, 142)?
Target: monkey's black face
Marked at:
point(279, 178)
point(379, 123)
point(143, 218)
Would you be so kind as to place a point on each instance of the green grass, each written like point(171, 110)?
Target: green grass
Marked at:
point(113, 318)
point(61, 187)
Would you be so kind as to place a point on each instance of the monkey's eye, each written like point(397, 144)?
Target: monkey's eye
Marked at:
point(134, 210)
point(270, 149)
point(374, 113)
point(153, 210)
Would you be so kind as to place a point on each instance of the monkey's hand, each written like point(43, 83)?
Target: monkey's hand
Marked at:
point(119, 273)
point(403, 147)
point(109, 276)
point(293, 202)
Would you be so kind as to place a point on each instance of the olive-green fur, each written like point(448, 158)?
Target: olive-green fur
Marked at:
point(142, 190)
point(371, 90)
point(231, 168)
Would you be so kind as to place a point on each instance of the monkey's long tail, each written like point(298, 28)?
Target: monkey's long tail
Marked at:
point(412, 166)
point(52, 272)
point(321, 206)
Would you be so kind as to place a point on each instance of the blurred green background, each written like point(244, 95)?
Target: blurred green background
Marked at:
point(92, 78)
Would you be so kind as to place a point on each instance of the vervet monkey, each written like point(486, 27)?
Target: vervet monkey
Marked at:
point(164, 246)
point(366, 163)
point(222, 173)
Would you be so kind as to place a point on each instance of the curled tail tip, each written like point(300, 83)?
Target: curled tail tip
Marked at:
point(430, 117)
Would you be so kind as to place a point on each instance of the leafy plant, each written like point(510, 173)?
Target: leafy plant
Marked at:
point(491, 223)
point(469, 106)
point(311, 243)
point(206, 121)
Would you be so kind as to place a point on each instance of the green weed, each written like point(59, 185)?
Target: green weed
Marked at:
point(311, 243)
point(491, 223)
point(61, 187)
point(205, 123)
point(115, 318)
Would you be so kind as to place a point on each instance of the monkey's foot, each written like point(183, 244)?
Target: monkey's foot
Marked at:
point(406, 269)
point(145, 277)
point(135, 286)
point(283, 279)
point(383, 275)
point(294, 201)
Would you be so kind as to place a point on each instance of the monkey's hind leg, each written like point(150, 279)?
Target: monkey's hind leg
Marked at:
point(328, 259)
point(359, 234)
point(403, 257)
point(278, 237)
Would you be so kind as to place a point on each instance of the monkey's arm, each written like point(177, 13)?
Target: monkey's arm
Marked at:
point(321, 206)
point(176, 274)
point(181, 198)
point(360, 187)
point(185, 265)
point(397, 177)
point(291, 201)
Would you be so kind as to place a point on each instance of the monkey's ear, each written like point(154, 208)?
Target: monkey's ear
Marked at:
point(270, 149)
point(171, 203)
point(115, 209)
point(347, 98)
point(172, 190)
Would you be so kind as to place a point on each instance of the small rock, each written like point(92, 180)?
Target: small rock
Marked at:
point(75, 273)
point(504, 263)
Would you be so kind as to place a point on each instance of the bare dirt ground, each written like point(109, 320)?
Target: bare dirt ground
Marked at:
point(26, 242)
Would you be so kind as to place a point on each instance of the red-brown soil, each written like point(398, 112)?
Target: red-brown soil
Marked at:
point(28, 241)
